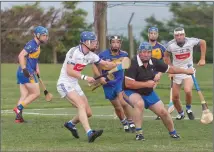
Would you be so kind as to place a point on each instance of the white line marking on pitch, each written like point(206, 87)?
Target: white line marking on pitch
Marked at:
point(67, 114)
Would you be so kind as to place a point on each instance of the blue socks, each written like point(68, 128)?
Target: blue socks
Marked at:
point(124, 122)
point(181, 113)
point(139, 131)
point(20, 107)
point(71, 124)
point(173, 132)
point(188, 107)
point(89, 132)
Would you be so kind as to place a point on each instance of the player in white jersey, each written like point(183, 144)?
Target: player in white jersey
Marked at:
point(181, 48)
point(67, 86)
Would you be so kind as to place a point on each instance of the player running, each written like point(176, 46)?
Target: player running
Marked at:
point(29, 67)
point(139, 84)
point(112, 84)
point(76, 59)
point(158, 53)
point(181, 48)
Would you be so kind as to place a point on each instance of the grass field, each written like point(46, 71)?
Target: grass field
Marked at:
point(44, 130)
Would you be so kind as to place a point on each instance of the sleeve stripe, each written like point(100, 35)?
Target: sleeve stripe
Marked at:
point(129, 78)
point(167, 69)
point(98, 61)
point(70, 63)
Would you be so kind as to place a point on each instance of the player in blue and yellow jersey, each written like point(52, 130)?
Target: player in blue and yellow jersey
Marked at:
point(112, 84)
point(157, 48)
point(28, 60)
point(157, 51)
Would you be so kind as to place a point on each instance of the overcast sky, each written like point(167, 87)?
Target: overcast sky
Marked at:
point(118, 15)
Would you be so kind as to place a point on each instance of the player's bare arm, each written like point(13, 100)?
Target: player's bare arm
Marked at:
point(157, 76)
point(166, 58)
point(97, 71)
point(107, 65)
point(132, 84)
point(21, 57)
point(22, 62)
point(37, 69)
point(77, 75)
point(175, 70)
point(203, 47)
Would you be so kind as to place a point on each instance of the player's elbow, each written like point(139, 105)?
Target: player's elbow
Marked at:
point(176, 70)
point(166, 59)
point(203, 43)
point(70, 72)
point(129, 83)
point(21, 56)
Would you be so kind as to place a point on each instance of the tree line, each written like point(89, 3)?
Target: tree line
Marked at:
point(65, 25)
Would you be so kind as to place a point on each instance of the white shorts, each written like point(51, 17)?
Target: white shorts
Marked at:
point(178, 78)
point(65, 88)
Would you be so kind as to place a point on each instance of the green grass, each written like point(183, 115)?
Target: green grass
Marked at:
point(46, 132)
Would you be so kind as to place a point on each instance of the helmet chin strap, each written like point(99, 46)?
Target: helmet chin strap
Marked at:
point(87, 47)
point(39, 39)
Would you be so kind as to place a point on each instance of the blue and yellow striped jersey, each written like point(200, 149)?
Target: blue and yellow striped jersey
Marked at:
point(158, 51)
point(33, 50)
point(107, 55)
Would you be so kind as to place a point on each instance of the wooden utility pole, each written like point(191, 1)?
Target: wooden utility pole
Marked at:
point(131, 39)
point(100, 23)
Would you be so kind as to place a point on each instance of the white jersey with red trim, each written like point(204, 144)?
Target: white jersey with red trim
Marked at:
point(76, 57)
point(182, 56)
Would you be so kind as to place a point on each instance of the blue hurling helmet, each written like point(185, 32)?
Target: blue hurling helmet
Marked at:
point(40, 30)
point(86, 35)
point(145, 46)
point(155, 29)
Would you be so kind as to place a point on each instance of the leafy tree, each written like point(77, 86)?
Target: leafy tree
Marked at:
point(64, 26)
point(195, 18)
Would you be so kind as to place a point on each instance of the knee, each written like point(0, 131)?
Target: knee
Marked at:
point(36, 93)
point(81, 105)
point(118, 107)
point(163, 113)
point(139, 105)
point(89, 113)
point(23, 96)
point(175, 97)
point(123, 103)
point(188, 92)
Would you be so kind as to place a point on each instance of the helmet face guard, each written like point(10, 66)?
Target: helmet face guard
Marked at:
point(115, 43)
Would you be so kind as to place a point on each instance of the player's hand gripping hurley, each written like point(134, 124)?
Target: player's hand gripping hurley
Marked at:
point(207, 116)
point(125, 64)
point(48, 96)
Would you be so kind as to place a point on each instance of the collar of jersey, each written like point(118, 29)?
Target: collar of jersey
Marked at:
point(35, 42)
